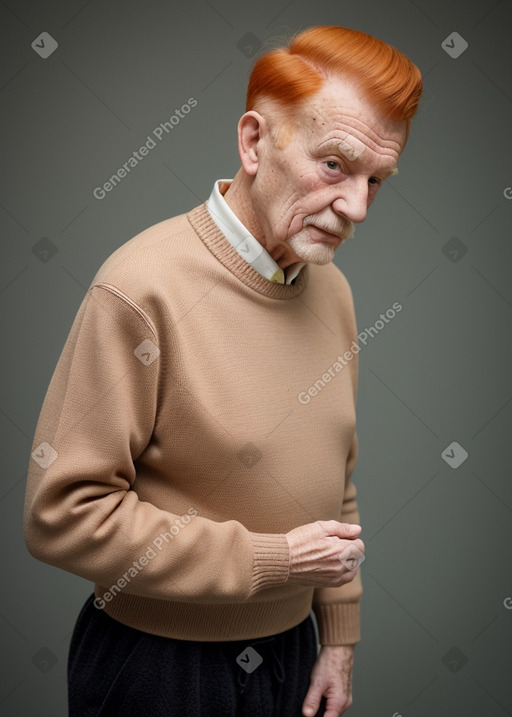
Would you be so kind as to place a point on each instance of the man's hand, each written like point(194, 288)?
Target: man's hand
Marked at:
point(325, 554)
point(331, 677)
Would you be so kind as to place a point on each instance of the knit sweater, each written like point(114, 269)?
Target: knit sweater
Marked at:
point(197, 413)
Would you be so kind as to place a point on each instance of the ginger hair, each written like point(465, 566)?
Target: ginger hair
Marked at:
point(291, 74)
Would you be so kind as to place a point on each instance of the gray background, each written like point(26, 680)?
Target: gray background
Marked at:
point(437, 624)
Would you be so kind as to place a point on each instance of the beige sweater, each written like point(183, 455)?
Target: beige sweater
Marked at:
point(197, 413)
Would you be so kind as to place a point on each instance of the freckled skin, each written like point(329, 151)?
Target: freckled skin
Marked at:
point(278, 187)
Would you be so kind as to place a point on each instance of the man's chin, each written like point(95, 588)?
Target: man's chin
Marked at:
point(312, 252)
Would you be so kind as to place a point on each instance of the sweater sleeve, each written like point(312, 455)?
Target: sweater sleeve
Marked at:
point(337, 610)
point(81, 511)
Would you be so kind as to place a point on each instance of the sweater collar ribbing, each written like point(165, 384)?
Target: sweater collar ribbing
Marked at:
point(218, 244)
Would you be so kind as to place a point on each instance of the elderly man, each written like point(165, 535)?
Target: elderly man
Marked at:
point(194, 452)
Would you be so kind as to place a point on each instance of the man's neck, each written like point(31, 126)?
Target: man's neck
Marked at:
point(238, 199)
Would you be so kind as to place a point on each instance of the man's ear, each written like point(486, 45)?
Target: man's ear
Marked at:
point(251, 128)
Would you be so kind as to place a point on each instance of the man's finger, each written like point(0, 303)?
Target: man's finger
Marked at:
point(352, 557)
point(343, 530)
point(311, 702)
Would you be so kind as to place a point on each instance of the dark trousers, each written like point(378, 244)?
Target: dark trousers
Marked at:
point(116, 671)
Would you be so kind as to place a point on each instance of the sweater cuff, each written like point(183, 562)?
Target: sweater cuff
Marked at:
point(271, 562)
point(338, 623)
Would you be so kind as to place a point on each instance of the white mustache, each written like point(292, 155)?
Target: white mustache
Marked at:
point(343, 231)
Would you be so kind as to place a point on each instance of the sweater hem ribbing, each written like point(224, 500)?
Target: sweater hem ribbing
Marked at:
point(213, 622)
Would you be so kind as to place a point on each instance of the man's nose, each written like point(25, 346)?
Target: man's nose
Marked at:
point(352, 199)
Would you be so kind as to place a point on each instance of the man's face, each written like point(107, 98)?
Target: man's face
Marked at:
point(307, 195)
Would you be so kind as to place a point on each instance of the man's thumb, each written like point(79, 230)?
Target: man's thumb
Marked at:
point(311, 703)
point(349, 530)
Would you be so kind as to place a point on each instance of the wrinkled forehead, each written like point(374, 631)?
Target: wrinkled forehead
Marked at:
point(340, 113)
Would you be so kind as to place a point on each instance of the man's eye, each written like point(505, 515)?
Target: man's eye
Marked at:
point(331, 164)
point(374, 180)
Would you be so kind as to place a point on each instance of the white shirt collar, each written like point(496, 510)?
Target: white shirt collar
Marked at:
point(244, 242)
